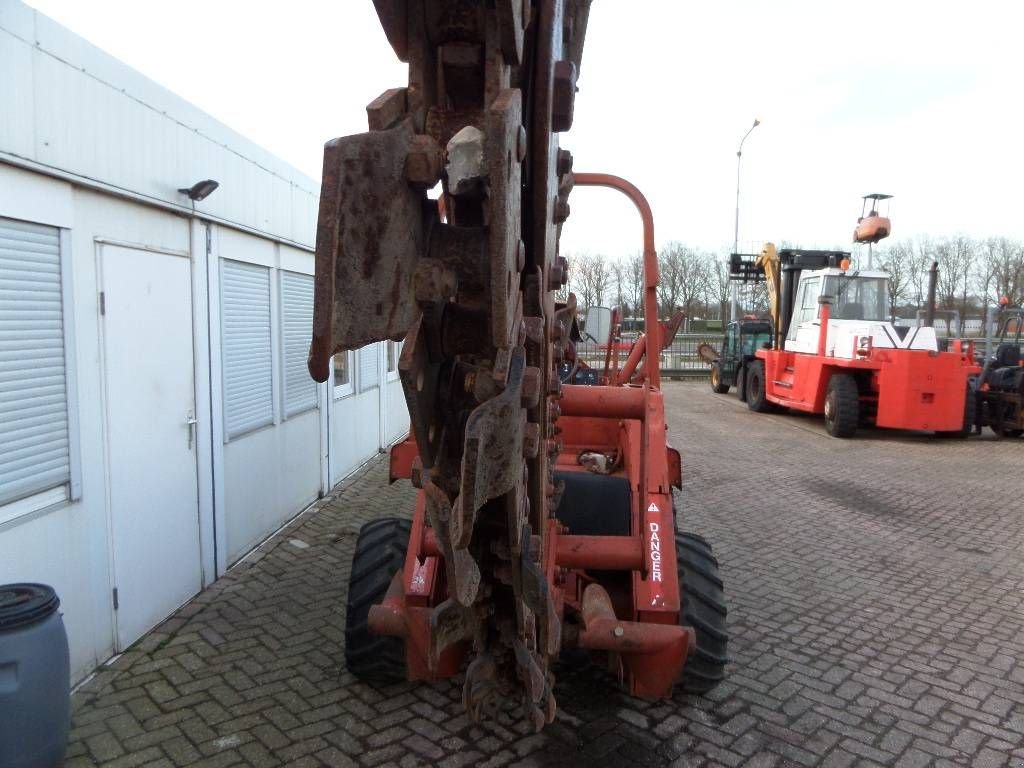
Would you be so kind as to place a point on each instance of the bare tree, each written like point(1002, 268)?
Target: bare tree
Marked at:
point(922, 256)
point(757, 298)
point(718, 285)
point(1004, 267)
point(897, 260)
point(635, 283)
point(682, 279)
point(956, 260)
point(617, 284)
point(670, 277)
point(591, 279)
point(971, 273)
point(966, 251)
point(983, 273)
point(949, 273)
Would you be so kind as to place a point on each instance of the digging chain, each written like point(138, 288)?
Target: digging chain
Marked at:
point(468, 278)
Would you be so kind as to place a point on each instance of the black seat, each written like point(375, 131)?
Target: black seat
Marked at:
point(594, 505)
point(1007, 379)
point(1007, 354)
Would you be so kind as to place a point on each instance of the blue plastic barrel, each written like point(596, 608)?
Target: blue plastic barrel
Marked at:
point(35, 698)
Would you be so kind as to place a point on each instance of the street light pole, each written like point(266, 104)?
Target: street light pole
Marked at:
point(736, 231)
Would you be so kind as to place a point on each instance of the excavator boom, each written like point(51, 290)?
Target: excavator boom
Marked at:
point(768, 262)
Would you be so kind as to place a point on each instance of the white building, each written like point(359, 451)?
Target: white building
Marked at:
point(156, 417)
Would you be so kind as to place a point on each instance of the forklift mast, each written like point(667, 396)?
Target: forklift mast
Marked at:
point(781, 270)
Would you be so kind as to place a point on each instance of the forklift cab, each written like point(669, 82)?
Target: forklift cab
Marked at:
point(856, 295)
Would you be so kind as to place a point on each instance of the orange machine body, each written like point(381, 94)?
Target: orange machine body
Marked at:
point(909, 389)
point(635, 616)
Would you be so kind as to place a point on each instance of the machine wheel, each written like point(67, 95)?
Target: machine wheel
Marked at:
point(741, 383)
point(379, 555)
point(717, 386)
point(842, 406)
point(702, 606)
point(756, 396)
point(970, 406)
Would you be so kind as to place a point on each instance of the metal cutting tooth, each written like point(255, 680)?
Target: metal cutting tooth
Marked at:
point(450, 623)
point(465, 582)
point(480, 690)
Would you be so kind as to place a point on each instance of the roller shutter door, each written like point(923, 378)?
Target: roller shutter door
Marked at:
point(369, 367)
point(246, 335)
point(34, 453)
point(296, 332)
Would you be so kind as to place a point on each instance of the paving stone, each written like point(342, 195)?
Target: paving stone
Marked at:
point(875, 608)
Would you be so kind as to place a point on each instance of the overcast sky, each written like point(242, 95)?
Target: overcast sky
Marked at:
point(922, 100)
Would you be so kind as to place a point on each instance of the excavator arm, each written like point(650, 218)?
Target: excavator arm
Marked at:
point(768, 262)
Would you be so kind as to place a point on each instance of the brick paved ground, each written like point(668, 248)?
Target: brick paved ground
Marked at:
point(876, 593)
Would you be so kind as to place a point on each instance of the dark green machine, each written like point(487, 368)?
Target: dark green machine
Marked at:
point(741, 340)
point(1000, 387)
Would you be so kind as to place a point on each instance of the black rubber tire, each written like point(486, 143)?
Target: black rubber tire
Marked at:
point(756, 396)
point(842, 406)
point(717, 386)
point(379, 555)
point(702, 606)
point(741, 383)
point(970, 406)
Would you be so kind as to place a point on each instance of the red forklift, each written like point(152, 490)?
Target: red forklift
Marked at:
point(835, 352)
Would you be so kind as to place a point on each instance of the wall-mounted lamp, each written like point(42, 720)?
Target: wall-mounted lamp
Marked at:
point(200, 190)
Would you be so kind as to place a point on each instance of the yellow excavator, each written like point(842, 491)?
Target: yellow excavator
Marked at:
point(768, 262)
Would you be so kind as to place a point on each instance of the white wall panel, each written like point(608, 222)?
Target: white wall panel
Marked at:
point(355, 432)
point(86, 113)
point(397, 413)
point(269, 477)
point(17, 128)
point(31, 197)
point(55, 549)
point(295, 260)
point(67, 545)
point(99, 122)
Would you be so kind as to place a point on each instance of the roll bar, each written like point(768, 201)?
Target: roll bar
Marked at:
point(652, 329)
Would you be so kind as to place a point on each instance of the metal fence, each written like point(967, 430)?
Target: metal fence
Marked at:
point(678, 360)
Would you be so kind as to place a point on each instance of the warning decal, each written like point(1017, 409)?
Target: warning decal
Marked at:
point(655, 552)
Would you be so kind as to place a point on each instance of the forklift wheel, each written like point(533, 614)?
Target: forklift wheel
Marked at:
point(702, 606)
point(717, 386)
point(756, 399)
point(379, 555)
point(842, 405)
